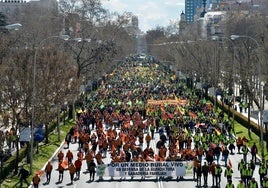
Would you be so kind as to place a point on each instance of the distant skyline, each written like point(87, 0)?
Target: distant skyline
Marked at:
point(151, 13)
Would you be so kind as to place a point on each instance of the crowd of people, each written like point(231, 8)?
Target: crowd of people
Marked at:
point(117, 120)
point(8, 140)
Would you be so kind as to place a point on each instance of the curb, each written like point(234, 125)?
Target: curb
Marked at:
point(43, 168)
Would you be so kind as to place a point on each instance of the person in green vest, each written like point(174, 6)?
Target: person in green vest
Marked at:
point(240, 167)
point(204, 139)
point(228, 173)
point(215, 139)
point(197, 139)
point(262, 171)
point(253, 183)
point(249, 174)
point(224, 139)
point(218, 172)
point(205, 146)
point(264, 183)
point(245, 151)
point(241, 184)
point(243, 173)
point(152, 129)
point(230, 184)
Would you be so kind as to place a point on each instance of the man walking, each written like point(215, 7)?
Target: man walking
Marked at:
point(245, 151)
point(61, 171)
point(152, 129)
point(36, 181)
point(228, 173)
point(48, 170)
point(212, 172)
point(262, 171)
point(254, 152)
point(218, 171)
point(72, 172)
point(78, 165)
point(199, 174)
point(92, 170)
point(205, 171)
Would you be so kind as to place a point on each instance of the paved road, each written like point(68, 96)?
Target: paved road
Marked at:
point(148, 182)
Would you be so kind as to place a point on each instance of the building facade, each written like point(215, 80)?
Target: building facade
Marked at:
point(191, 7)
point(11, 7)
point(16, 7)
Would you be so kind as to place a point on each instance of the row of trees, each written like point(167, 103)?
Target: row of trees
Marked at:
point(220, 61)
point(61, 66)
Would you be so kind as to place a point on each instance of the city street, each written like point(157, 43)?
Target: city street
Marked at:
point(135, 182)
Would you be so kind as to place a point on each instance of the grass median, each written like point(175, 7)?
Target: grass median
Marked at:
point(45, 152)
point(242, 131)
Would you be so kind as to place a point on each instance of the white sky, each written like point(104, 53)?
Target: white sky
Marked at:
point(151, 13)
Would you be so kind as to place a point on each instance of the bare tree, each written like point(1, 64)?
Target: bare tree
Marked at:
point(101, 36)
point(249, 52)
point(56, 81)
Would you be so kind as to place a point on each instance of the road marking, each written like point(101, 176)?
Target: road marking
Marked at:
point(160, 184)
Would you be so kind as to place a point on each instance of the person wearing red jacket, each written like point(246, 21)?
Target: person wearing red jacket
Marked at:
point(78, 165)
point(72, 171)
point(36, 181)
point(212, 172)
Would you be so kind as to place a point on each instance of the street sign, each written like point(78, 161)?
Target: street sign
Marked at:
point(265, 116)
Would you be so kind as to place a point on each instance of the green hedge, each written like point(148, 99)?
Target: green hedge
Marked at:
point(240, 118)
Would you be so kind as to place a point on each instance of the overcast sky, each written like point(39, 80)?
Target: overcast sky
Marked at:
point(151, 13)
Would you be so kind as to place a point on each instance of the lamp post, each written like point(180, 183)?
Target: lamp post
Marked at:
point(9, 27)
point(63, 37)
point(233, 75)
point(260, 85)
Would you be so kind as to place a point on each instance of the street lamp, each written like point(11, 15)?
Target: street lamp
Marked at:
point(63, 37)
point(233, 69)
point(234, 37)
point(9, 27)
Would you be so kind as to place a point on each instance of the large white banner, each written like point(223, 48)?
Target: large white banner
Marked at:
point(132, 169)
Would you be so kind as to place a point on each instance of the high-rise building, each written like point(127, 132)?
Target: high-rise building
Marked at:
point(191, 7)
